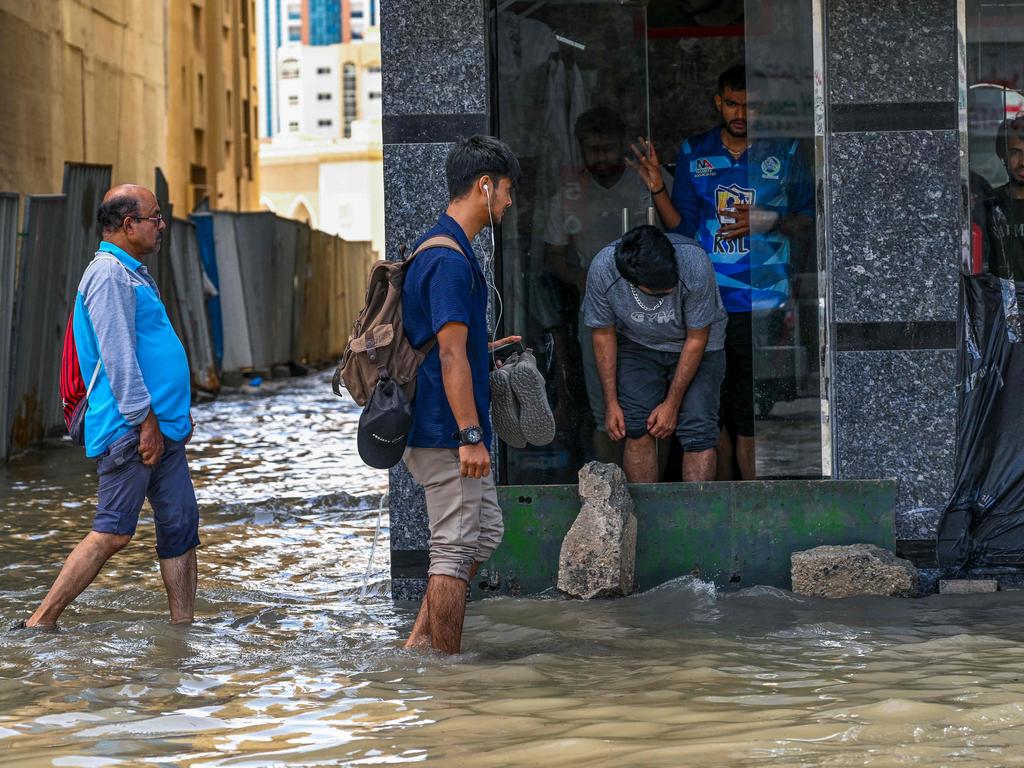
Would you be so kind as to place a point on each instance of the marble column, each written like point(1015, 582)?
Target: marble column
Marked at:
point(435, 93)
point(894, 242)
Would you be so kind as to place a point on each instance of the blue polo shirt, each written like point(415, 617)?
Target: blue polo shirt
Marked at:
point(119, 316)
point(752, 273)
point(444, 286)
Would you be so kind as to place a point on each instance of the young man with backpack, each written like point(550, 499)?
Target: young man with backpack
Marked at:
point(445, 297)
point(137, 420)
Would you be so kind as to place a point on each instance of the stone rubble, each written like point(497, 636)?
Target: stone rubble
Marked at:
point(598, 557)
point(857, 569)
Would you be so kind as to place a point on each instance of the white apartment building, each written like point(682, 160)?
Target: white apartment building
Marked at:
point(310, 91)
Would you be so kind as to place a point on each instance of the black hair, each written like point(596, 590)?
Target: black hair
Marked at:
point(479, 156)
point(1010, 127)
point(599, 121)
point(734, 78)
point(645, 257)
point(113, 212)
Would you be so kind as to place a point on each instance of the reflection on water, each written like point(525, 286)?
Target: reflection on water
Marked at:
point(289, 666)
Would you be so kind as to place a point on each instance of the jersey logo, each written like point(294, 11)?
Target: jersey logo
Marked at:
point(771, 168)
point(726, 198)
point(704, 168)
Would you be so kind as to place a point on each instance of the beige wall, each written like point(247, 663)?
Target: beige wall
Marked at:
point(113, 81)
point(81, 83)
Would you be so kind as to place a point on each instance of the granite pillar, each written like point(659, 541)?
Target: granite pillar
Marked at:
point(894, 234)
point(435, 92)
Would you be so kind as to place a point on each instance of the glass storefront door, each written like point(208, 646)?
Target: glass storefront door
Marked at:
point(575, 83)
point(571, 88)
point(786, 316)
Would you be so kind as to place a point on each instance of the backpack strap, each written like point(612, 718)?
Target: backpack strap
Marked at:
point(438, 241)
point(103, 256)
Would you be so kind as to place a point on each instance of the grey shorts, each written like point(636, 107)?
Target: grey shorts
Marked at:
point(125, 483)
point(644, 376)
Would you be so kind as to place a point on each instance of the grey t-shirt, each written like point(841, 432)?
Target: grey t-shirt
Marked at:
point(695, 302)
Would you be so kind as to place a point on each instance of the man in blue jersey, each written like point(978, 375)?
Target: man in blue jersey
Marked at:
point(138, 421)
point(445, 298)
point(743, 201)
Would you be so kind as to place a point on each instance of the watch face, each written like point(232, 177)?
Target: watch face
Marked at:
point(474, 435)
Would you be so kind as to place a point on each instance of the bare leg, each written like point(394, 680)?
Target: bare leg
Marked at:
point(640, 460)
point(699, 466)
point(179, 574)
point(725, 456)
point(745, 452)
point(420, 634)
point(605, 449)
point(447, 610)
point(78, 572)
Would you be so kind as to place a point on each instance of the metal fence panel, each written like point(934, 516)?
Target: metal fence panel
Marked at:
point(238, 352)
point(286, 243)
point(8, 254)
point(185, 273)
point(254, 237)
point(40, 315)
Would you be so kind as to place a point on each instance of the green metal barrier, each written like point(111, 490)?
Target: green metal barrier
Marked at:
point(734, 534)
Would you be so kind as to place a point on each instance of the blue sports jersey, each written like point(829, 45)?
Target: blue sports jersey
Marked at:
point(753, 273)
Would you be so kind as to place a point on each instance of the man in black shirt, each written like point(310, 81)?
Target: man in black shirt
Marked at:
point(1004, 206)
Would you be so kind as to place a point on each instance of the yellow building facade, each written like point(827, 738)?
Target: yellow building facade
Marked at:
point(135, 84)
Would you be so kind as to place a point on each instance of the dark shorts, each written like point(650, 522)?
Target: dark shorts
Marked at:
point(738, 389)
point(125, 483)
point(644, 376)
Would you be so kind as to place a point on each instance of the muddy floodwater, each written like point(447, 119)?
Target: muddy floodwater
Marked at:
point(289, 664)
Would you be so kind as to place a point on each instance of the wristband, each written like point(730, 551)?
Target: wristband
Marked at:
point(658, 191)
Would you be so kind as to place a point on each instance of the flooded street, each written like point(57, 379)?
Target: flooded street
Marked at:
point(289, 665)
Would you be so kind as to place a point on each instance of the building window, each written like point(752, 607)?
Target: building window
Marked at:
point(293, 100)
point(323, 97)
point(290, 69)
point(349, 109)
point(374, 70)
point(374, 95)
point(324, 123)
point(323, 70)
point(293, 126)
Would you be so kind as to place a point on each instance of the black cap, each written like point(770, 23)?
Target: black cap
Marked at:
point(384, 426)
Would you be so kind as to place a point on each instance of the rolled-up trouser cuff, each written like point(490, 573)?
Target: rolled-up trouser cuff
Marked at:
point(463, 512)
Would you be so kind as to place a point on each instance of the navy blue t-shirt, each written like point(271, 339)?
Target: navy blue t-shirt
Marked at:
point(444, 286)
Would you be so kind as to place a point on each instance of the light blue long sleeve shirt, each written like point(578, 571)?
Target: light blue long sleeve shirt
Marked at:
point(120, 319)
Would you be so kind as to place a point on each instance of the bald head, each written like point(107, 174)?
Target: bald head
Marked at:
point(130, 218)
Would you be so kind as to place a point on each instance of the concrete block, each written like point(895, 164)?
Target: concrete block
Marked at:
point(598, 556)
point(967, 586)
point(857, 569)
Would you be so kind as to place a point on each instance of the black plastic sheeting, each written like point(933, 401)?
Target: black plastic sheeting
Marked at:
point(983, 524)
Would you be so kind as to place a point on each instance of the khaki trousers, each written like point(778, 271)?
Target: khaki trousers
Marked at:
point(465, 519)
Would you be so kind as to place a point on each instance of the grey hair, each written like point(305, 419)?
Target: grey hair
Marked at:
point(113, 212)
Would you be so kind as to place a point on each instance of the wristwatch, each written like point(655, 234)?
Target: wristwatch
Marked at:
point(471, 435)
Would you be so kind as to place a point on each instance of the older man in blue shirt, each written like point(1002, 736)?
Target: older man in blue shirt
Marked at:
point(137, 422)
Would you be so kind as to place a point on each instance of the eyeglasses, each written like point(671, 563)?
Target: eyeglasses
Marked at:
point(155, 219)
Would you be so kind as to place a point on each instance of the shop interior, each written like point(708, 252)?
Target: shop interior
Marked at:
point(614, 72)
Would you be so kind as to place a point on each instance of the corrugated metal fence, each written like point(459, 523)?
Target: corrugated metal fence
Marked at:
point(243, 290)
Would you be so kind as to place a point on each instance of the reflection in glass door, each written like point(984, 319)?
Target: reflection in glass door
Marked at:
point(783, 250)
point(571, 91)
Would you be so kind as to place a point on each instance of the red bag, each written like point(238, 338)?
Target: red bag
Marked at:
point(73, 391)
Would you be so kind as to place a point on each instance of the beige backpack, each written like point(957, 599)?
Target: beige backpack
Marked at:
point(377, 348)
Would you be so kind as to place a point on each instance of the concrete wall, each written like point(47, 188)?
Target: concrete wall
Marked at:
point(81, 83)
point(116, 82)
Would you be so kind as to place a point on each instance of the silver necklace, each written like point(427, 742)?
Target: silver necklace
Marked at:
point(636, 298)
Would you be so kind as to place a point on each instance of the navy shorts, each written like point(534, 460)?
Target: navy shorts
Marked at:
point(644, 376)
point(125, 483)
